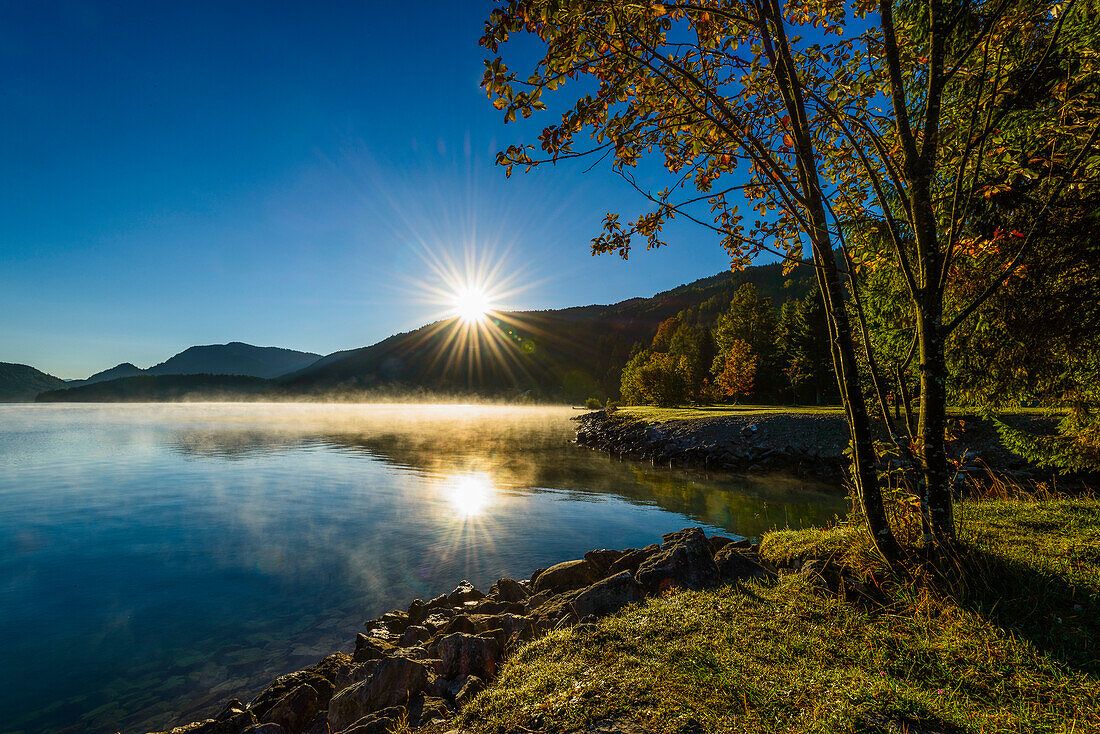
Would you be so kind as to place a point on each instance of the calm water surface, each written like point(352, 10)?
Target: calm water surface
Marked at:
point(156, 560)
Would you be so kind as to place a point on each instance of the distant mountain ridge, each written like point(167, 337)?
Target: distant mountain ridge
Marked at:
point(234, 358)
point(20, 383)
point(555, 355)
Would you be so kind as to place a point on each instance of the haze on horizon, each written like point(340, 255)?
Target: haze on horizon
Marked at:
point(279, 174)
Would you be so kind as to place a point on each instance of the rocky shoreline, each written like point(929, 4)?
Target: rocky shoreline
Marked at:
point(417, 667)
point(804, 444)
point(738, 444)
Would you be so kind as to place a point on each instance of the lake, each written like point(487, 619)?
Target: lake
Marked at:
point(156, 560)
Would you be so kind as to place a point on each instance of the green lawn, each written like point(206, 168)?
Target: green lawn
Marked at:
point(654, 414)
point(1006, 642)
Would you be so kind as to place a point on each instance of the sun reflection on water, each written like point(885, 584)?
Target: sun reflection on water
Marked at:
point(469, 495)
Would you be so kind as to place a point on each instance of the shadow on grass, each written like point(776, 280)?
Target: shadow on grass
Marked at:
point(1059, 618)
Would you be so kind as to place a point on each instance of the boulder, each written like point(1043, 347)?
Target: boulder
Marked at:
point(284, 685)
point(264, 729)
point(607, 596)
point(379, 722)
point(470, 688)
point(684, 560)
point(465, 655)
point(234, 718)
point(418, 611)
point(415, 634)
point(294, 711)
point(371, 648)
point(461, 623)
point(602, 559)
point(394, 682)
point(734, 565)
point(508, 590)
point(567, 576)
point(429, 709)
point(463, 593)
point(631, 559)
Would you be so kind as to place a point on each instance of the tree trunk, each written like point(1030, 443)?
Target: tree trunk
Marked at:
point(932, 426)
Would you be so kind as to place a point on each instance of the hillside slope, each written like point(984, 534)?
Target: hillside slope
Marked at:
point(234, 358)
point(20, 383)
point(567, 354)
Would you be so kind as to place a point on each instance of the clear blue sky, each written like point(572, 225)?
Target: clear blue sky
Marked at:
point(272, 172)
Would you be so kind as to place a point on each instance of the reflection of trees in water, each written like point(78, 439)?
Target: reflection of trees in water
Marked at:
point(531, 454)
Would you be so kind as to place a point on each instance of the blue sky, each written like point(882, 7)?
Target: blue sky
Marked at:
point(276, 173)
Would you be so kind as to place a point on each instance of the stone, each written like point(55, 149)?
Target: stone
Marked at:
point(415, 634)
point(394, 682)
point(465, 655)
point(429, 709)
point(234, 718)
point(283, 685)
point(602, 559)
point(537, 600)
point(470, 688)
point(378, 722)
point(567, 576)
point(461, 623)
point(264, 729)
point(418, 611)
point(508, 590)
point(684, 561)
point(294, 711)
point(195, 727)
point(734, 565)
point(607, 596)
point(439, 601)
point(631, 559)
point(371, 648)
point(463, 593)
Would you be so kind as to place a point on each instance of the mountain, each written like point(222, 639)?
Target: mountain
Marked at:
point(234, 358)
point(20, 383)
point(567, 354)
point(161, 388)
point(123, 370)
point(555, 355)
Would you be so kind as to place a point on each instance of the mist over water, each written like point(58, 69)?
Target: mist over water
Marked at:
point(157, 560)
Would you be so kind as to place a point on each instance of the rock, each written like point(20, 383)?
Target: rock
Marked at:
point(234, 718)
point(631, 559)
point(683, 561)
point(395, 622)
point(607, 596)
point(371, 648)
point(461, 623)
point(464, 592)
point(567, 576)
point(394, 682)
point(470, 688)
point(508, 590)
point(465, 655)
point(264, 729)
point(415, 634)
point(429, 709)
point(734, 565)
point(822, 574)
point(535, 576)
point(284, 685)
point(379, 722)
point(537, 600)
point(602, 559)
point(438, 618)
point(195, 727)
point(439, 601)
point(418, 611)
point(294, 711)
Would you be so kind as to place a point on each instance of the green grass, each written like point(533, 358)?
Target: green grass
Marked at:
point(1004, 641)
point(654, 414)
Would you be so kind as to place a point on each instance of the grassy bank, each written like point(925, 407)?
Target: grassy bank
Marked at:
point(653, 414)
point(1005, 641)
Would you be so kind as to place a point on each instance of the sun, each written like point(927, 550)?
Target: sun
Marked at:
point(472, 305)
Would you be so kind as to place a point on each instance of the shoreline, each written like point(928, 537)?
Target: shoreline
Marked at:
point(417, 667)
point(801, 443)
